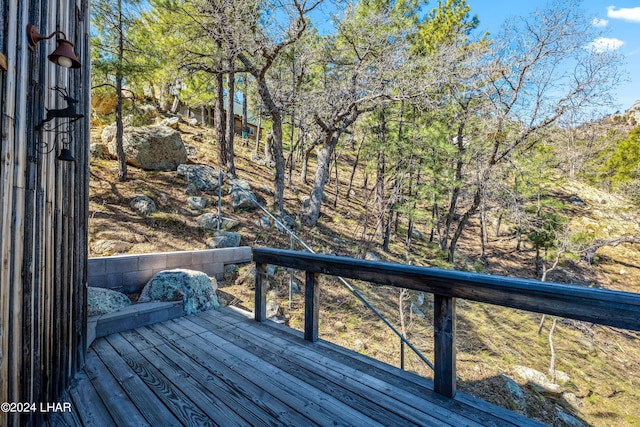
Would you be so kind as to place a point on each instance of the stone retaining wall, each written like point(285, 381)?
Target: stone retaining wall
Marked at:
point(129, 273)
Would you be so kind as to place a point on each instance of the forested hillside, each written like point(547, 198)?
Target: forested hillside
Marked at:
point(395, 132)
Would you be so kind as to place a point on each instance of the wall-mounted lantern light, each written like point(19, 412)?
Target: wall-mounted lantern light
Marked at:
point(63, 55)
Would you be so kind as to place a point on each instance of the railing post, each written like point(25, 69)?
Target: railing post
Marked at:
point(444, 324)
point(311, 307)
point(219, 198)
point(261, 293)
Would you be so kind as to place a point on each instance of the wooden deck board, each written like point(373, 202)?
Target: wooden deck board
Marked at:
point(223, 368)
point(95, 412)
point(115, 400)
point(252, 403)
point(191, 407)
point(483, 412)
point(356, 388)
point(244, 394)
point(312, 402)
point(136, 380)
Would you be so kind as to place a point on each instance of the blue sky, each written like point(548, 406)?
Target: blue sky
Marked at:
point(620, 19)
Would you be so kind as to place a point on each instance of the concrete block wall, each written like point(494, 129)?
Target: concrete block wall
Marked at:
point(129, 273)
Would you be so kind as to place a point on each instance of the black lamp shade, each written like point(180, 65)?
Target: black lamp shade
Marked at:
point(65, 155)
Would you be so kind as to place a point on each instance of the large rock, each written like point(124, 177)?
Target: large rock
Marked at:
point(191, 189)
point(229, 223)
point(287, 221)
point(99, 151)
point(172, 122)
point(272, 309)
point(197, 203)
point(103, 301)
point(123, 236)
point(241, 195)
point(224, 239)
point(537, 379)
point(143, 205)
point(210, 221)
point(204, 177)
point(150, 147)
point(109, 247)
point(195, 289)
point(192, 153)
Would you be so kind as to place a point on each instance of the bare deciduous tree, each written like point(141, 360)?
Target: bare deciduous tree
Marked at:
point(540, 69)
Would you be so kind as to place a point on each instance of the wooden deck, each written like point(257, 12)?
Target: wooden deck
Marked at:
point(223, 368)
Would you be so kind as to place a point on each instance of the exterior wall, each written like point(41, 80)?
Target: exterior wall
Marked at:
point(129, 273)
point(43, 209)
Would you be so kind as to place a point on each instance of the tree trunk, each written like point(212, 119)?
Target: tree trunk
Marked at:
point(498, 224)
point(552, 359)
point(231, 89)
point(380, 170)
point(245, 127)
point(335, 166)
point(355, 166)
point(122, 161)
point(387, 229)
point(305, 164)
point(380, 202)
point(455, 193)
point(175, 107)
point(463, 223)
point(258, 130)
point(219, 122)
point(483, 230)
point(293, 118)
point(312, 213)
point(268, 148)
point(434, 220)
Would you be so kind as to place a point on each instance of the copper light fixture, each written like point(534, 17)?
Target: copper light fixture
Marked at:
point(63, 55)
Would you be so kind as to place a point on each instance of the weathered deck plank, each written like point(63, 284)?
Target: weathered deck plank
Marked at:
point(135, 381)
point(95, 412)
point(223, 368)
point(483, 412)
point(252, 403)
point(312, 402)
point(110, 393)
point(363, 392)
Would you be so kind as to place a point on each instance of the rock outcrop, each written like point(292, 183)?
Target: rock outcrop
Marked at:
point(241, 195)
point(143, 205)
point(195, 289)
point(224, 239)
point(203, 177)
point(150, 147)
point(103, 301)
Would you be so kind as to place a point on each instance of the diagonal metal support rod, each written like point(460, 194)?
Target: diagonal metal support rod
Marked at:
point(342, 280)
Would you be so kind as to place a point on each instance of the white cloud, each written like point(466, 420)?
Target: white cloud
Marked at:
point(631, 14)
point(597, 22)
point(603, 44)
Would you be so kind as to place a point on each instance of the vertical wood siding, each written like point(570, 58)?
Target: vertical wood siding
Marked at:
point(43, 209)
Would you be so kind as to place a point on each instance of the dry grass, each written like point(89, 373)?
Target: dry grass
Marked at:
point(601, 362)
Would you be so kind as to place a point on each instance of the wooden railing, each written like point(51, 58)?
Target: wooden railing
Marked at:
point(600, 306)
